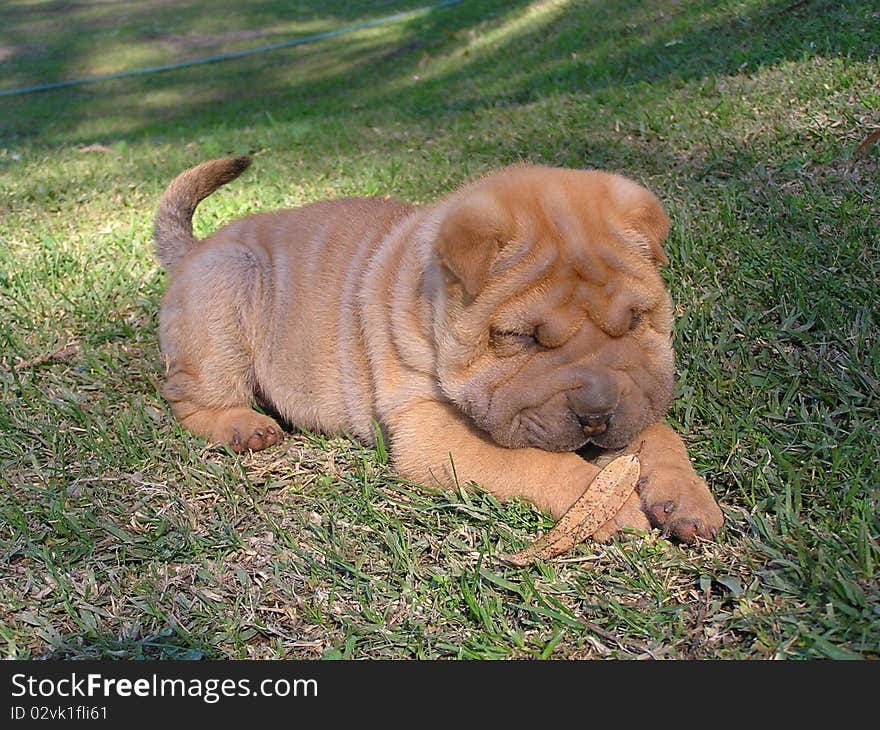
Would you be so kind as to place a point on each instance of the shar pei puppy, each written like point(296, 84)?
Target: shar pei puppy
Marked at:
point(491, 335)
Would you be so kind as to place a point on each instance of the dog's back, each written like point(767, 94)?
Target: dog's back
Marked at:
point(257, 309)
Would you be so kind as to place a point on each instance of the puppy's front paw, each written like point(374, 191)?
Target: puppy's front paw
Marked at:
point(679, 502)
point(630, 515)
point(244, 429)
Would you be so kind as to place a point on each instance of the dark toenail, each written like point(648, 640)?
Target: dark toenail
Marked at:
point(236, 438)
point(258, 432)
point(668, 507)
point(271, 430)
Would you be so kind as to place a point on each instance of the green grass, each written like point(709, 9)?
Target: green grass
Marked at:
point(123, 536)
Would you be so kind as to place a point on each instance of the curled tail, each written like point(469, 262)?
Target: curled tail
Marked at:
point(173, 232)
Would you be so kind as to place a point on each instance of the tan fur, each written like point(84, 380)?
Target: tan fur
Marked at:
point(490, 335)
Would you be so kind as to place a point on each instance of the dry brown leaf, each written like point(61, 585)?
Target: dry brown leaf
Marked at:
point(604, 497)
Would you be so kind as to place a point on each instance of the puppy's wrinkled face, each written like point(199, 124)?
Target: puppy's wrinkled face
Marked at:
point(556, 326)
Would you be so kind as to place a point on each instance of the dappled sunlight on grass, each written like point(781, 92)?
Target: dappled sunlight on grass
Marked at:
point(532, 20)
point(45, 42)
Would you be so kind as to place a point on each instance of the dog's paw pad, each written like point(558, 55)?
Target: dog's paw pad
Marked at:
point(684, 529)
point(660, 512)
point(685, 522)
point(247, 431)
point(262, 438)
point(681, 506)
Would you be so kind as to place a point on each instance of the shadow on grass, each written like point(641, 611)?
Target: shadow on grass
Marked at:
point(50, 41)
point(575, 49)
point(197, 30)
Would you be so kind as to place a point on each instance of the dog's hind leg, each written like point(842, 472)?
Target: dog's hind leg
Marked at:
point(207, 332)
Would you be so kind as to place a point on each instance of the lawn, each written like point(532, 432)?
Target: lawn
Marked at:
point(123, 536)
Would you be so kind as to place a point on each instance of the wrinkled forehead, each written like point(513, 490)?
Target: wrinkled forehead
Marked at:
point(581, 269)
point(570, 299)
point(586, 231)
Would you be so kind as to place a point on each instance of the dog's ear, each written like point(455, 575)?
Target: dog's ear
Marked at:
point(470, 237)
point(644, 222)
point(649, 224)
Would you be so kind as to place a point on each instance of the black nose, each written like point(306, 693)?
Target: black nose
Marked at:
point(595, 400)
point(594, 423)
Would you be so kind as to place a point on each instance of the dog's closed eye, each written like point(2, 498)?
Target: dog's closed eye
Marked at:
point(506, 343)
